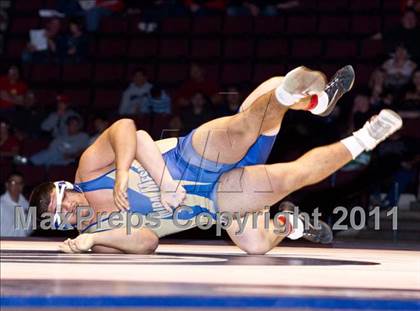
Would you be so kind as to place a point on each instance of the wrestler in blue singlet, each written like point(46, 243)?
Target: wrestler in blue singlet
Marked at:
point(197, 175)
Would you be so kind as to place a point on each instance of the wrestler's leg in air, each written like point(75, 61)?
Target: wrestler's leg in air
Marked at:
point(252, 188)
point(226, 140)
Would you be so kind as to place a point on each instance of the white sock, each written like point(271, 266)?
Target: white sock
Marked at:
point(322, 104)
point(353, 145)
point(285, 98)
point(297, 231)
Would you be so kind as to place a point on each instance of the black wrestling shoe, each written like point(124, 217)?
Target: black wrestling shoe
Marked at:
point(340, 83)
point(323, 234)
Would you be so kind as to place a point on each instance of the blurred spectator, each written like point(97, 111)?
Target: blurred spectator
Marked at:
point(135, 96)
point(76, 47)
point(11, 200)
point(64, 149)
point(12, 90)
point(196, 83)
point(198, 113)
point(407, 34)
point(204, 7)
point(377, 84)
point(361, 112)
point(399, 160)
point(233, 100)
point(37, 51)
point(157, 102)
point(55, 123)
point(255, 8)
point(398, 69)
point(95, 10)
point(100, 124)
point(28, 117)
point(9, 144)
point(412, 96)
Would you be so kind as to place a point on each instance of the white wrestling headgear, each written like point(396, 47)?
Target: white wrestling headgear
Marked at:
point(60, 188)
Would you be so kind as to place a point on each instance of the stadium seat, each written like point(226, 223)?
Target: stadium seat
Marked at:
point(111, 48)
point(174, 48)
point(391, 21)
point(62, 172)
point(6, 168)
point(25, 5)
point(334, 24)
point(143, 47)
point(22, 25)
point(338, 49)
point(238, 25)
point(238, 49)
point(172, 73)
point(363, 72)
point(45, 96)
point(109, 73)
point(236, 73)
point(45, 73)
point(15, 46)
point(76, 73)
point(160, 123)
point(306, 48)
point(301, 24)
point(179, 25)
point(411, 128)
point(114, 24)
point(33, 145)
point(147, 66)
point(363, 5)
point(328, 69)
point(336, 5)
point(107, 99)
point(211, 71)
point(269, 25)
point(144, 122)
point(264, 71)
point(272, 48)
point(207, 24)
point(34, 175)
point(78, 97)
point(203, 48)
point(391, 5)
point(371, 49)
point(366, 24)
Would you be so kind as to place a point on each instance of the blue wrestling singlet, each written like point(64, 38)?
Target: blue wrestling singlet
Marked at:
point(197, 175)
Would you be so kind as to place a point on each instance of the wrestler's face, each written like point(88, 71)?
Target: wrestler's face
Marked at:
point(71, 202)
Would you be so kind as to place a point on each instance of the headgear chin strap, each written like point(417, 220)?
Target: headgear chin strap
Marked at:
point(60, 189)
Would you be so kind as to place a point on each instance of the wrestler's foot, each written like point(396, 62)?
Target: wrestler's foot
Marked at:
point(298, 84)
point(378, 128)
point(321, 233)
point(340, 83)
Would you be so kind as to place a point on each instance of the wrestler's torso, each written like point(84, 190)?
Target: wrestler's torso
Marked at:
point(144, 194)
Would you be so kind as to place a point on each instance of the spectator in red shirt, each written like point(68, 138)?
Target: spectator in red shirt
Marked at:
point(9, 144)
point(12, 90)
point(196, 84)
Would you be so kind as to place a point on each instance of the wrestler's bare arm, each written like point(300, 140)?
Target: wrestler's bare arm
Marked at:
point(117, 147)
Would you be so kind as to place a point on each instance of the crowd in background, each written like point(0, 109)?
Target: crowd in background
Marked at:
point(394, 84)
